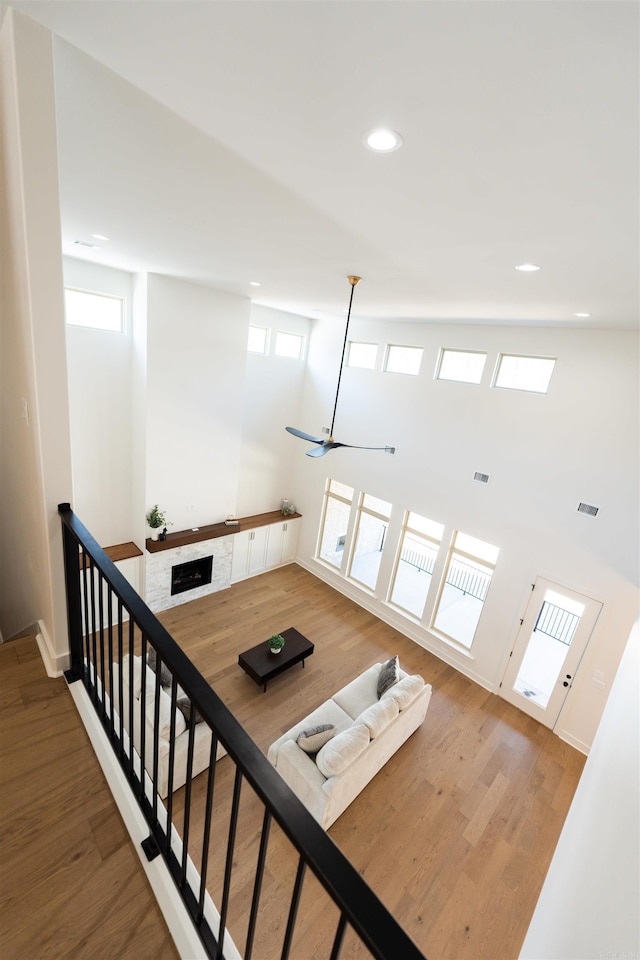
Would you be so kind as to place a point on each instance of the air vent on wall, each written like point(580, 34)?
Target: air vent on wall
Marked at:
point(481, 477)
point(85, 243)
point(588, 509)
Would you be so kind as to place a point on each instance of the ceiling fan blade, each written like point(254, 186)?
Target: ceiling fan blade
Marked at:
point(303, 436)
point(325, 447)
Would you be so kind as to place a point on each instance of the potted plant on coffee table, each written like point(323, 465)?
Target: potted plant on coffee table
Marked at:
point(276, 643)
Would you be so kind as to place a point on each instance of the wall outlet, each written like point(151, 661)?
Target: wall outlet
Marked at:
point(597, 679)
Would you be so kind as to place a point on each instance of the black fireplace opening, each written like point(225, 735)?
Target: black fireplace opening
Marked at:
point(188, 576)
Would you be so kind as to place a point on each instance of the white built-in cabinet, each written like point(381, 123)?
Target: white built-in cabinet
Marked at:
point(263, 548)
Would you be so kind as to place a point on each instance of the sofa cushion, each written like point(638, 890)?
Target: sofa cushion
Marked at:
point(340, 752)
point(389, 674)
point(166, 677)
point(164, 716)
point(312, 738)
point(404, 691)
point(327, 712)
point(360, 693)
point(378, 716)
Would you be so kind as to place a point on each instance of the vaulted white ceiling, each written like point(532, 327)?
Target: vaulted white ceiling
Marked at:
point(234, 153)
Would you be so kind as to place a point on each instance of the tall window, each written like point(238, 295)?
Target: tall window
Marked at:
point(464, 366)
point(258, 340)
point(95, 310)
point(463, 592)
point(288, 345)
point(371, 529)
point(524, 373)
point(403, 359)
point(338, 498)
point(419, 544)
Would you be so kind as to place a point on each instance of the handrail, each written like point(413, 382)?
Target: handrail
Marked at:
point(358, 905)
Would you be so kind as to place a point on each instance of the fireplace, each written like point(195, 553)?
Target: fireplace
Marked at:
point(189, 576)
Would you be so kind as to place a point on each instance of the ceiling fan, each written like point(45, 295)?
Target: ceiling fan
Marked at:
point(328, 443)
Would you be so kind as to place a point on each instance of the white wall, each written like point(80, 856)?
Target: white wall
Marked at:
point(196, 355)
point(589, 907)
point(100, 403)
point(35, 462)
point(271, 401)
point(544, 454)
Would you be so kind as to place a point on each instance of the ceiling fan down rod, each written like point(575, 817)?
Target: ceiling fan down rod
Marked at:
point(353, 280)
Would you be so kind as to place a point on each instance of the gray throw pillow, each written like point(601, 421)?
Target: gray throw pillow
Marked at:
point(389, 674)
point(188, 711)
point(311, 739)
point(166, 678)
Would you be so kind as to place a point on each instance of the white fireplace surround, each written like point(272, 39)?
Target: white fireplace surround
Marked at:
point(158, 572)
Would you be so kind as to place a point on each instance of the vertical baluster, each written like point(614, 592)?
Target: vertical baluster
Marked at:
point(86, 633)
point(101, 617)
point(226, 888)
point(110, 656)
point(172, 757)
point(94, 649)
point(143, 715)
point(131, 697)
point(120, 687)
point(71, 559)
point(208, 813)
point(156, 727)
point(257, 887)
point(339, 937)
point(187, 806)
point(293, 909)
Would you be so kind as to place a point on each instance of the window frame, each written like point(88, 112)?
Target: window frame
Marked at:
point(330, 494)
point(289, 333)
point(438, 631)
point(267, 338)
point(106, 296)
point(362, 343)
point(413, 531)
point(521, 356)
point(360, 510)
point(441, 356)
point(402, 346)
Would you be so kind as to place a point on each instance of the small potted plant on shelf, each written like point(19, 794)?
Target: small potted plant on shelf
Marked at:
point(156, 518)
point(276, 643)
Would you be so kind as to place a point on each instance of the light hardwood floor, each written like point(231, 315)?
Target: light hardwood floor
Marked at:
point(71, 884)
point(455, 834)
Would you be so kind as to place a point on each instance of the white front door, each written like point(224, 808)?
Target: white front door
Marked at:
point(550, 643)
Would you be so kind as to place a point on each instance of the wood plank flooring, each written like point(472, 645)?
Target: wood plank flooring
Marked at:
point(455, 834)
point(71, 884)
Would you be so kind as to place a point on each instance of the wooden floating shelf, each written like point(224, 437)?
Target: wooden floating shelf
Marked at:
point(214, 530)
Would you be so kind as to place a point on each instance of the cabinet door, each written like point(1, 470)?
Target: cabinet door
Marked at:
point(258, 550)
point(240, 556)
point(274, 544)
point(289, 541)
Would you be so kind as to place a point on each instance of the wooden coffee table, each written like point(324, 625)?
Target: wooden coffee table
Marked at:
point(262, 665)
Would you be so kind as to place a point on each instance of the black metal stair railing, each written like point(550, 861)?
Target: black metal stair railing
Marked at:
point(218, 855)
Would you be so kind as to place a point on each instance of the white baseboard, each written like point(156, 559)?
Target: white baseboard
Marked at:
point(55, 664)
point(573, 742)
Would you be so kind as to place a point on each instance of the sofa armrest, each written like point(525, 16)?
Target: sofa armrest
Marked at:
point(300, 772)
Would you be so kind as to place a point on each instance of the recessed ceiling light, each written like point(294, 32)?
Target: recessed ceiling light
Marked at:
point(254, 283)
point(582, 314)
point(99, 236)
point(382, 140)
point(527, 267)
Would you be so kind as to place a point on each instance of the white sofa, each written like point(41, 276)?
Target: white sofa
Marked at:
point(368, 731)
point(202, 733)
